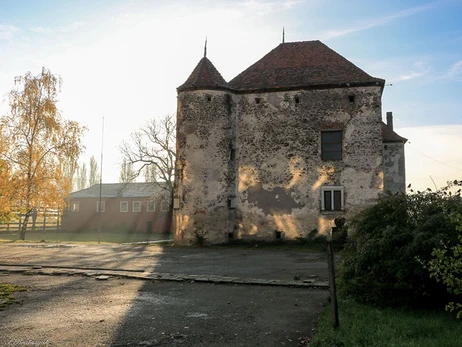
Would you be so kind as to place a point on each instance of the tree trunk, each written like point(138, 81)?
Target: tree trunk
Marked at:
point(22, 233)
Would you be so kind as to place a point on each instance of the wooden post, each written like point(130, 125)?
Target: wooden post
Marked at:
point(332, 287)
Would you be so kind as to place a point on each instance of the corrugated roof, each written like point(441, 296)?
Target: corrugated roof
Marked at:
point(204, 76)
point(123, 190)
point(301, 64)
point(389, 135)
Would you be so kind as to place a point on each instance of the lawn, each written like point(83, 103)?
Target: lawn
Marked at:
point(362, 325)
point(86, 236)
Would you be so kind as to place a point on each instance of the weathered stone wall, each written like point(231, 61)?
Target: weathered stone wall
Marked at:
point(394, 167)
point(203, 172)
point(279, 158)
point(277, 172)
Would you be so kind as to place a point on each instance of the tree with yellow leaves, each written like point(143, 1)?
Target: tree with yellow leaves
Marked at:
point(42, 144)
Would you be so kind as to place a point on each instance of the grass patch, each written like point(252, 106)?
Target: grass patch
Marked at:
point(58, 236)
point(363, 325)
point(6, 294)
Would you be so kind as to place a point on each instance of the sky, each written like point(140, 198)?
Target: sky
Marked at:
point(122, 61)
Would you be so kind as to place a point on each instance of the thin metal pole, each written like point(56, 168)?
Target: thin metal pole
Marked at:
point(100, 183)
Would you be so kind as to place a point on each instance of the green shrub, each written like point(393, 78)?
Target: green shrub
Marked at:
point(446, 266)
point(383, 259)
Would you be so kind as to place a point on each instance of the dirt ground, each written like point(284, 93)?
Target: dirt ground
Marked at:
point(79, 310)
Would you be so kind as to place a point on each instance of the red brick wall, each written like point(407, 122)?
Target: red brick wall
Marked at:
point(87, 216)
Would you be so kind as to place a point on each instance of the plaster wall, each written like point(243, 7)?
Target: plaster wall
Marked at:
point(280, 170)
point(394, 167)
point(265, 149)
point(203, 173)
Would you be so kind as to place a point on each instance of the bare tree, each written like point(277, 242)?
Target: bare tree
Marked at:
point(153, 146)
point(94, 176)
point(127, 174)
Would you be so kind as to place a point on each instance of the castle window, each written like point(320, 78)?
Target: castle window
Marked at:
point(257, 100)
point(351, 98)
point(331, 198)
point(297, 99)
point(209, 98)
point(331, 145)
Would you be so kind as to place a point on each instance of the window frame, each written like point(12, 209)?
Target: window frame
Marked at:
point(332, 189)
point(324, 153)
point(153, 202)
point(75, 206)
point(139, 206)
point(124, 203)
point(103, 206)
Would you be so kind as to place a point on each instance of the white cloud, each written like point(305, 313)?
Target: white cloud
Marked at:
point(456, 71)
point(7, 31)
point(71, 27)
point(375, 22)
point(40, 30)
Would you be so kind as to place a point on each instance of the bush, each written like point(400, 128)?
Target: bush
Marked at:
point(383, 259)
point(446, 266)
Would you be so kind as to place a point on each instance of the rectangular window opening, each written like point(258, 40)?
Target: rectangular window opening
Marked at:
point(75, 206)
point(332, 198)
point(351, 98)
point(331, 145)
point(136, 206)
point(150, 206)
point(124, 206)
point(103, 206)
point(257, 100)
point(297, 99)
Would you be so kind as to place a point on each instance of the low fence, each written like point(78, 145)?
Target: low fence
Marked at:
point(49, 219)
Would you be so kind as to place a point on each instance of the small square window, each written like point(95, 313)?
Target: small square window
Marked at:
point(75, 207)
point(124, 206)
point(151, 206)
point(257, 100)
point(331, 145)
point(136, 206)
point(103, 206)
point(351, 98)
point(332, 198)
point(297, 99)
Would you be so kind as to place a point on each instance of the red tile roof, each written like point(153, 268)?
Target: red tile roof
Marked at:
point(301, 64)
point(204, 76)
point(389, 135)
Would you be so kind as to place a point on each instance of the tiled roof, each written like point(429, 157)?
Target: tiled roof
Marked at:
point(301, 64)
point(122, 190)
point(204, 76)
point(389, 135)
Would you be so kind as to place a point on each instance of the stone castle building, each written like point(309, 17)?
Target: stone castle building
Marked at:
point(284, 148)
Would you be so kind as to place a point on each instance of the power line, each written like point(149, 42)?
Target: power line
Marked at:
point(438, 161)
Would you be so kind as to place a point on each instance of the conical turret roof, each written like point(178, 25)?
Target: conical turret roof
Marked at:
point(204, 76)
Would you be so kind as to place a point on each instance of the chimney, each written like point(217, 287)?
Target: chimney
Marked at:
point(390, 120)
